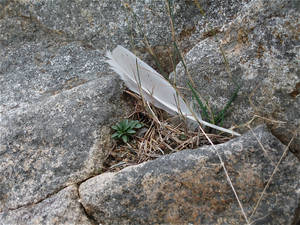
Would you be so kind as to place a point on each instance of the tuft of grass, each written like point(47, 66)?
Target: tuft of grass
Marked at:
point(213, 117)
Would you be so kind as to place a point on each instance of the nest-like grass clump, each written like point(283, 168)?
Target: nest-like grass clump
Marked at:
point(160, 135)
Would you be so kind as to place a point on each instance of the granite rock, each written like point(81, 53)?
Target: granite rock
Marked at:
point(33, 71)
point(262, 48)
point(105, 24)
point(190, 187)
point(60, 208)
point(56, 108)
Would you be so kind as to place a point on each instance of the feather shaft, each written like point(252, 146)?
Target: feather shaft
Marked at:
point(144, 80)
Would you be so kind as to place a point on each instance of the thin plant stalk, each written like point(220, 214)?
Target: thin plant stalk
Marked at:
point(145, 103)
point(171, 16)
point(145, 40)
point(215, 149)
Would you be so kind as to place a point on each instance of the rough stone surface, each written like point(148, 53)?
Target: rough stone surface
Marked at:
point(57, 100)
point(105, 24)
point(263, 51)
point(61, 208)
point(35, 71)
point(191, 187)
point(56, 104)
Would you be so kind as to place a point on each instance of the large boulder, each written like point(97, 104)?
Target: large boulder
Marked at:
point(190, 187)
point(56, 104)
point(262, 48)
point(105, 24)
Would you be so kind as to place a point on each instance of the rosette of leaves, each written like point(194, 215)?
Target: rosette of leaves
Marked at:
point(125, 129)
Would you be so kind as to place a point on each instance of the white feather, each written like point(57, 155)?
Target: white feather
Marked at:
point(142, 79)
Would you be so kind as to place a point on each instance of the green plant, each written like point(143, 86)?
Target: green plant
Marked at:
point(125, 129)
point(214, 117)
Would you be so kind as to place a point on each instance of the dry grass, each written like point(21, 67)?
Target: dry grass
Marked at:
point(161, 135)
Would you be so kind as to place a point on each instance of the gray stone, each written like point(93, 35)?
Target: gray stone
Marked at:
point(108, 23)
point(35, 71)
point(60, 208)
point(56, 106)
point(191, 187)
point(105, 24)
point(262, 48)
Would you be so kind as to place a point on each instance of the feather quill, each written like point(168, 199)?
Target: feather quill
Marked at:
point(154, 88)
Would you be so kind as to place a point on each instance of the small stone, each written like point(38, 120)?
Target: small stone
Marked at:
point(61, 208)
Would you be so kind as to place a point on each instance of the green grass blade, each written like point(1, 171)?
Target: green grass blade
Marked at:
point(220, 116)
point(202, 107)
